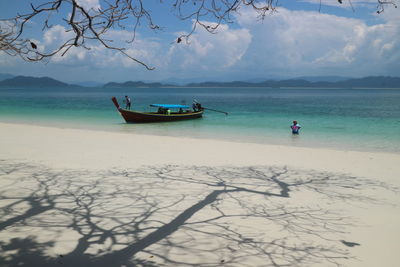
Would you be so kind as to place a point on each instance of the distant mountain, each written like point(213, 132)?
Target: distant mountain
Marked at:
point(269, 83)
point(322, 78)
point(178, 81)
point(221, 84)
point(137, 84)
point(322, 82)
point(371, 82)
point(5, 76)
point(258, 80)
point(25, 81)
point(185, 81)
point(181, 81)
point(367, 82)
point(89, 84)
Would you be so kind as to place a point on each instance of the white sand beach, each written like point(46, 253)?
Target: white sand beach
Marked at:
point(92, 198)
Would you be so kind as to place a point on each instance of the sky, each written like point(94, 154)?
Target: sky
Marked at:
point(302, 38)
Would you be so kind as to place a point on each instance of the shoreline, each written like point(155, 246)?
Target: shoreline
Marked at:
point(17, 134)
point(257, 139)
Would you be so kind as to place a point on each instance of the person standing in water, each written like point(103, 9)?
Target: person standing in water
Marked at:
point(128, 102)
point(295, 127)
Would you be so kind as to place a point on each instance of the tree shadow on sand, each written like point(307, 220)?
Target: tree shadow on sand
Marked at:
point(176, 216)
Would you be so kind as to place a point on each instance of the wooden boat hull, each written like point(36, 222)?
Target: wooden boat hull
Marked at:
point(144, 117)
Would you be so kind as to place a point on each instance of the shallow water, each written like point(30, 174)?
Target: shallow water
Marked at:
point(355, 119)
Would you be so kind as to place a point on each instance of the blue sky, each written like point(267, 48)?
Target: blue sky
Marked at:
point(297, 40)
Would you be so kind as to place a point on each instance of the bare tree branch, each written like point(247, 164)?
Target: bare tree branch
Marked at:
point(89, 25)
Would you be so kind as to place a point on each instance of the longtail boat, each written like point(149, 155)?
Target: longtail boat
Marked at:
point(163, 113)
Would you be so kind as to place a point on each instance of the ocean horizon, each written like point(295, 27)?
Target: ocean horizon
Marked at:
point(349, 119)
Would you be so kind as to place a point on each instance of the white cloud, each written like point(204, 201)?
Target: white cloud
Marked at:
point(56, 35)
point(89, 4)
point(210, 52)
point(99, 56)
point(303, 42)
point(345, 3)
point(205, 51)
point(286, 43)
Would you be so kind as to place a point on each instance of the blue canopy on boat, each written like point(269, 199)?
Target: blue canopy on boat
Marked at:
point(168, 106)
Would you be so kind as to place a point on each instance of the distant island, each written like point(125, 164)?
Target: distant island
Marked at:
point(4, 76)
point(33, 82)
point(366, 82)
point(137, 84)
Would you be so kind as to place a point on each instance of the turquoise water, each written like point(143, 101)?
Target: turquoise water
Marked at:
point(355, 119)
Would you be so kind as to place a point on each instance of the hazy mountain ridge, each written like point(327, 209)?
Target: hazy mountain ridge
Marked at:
point(89, 84)
point(366, 82)
point(322, 78)
point(135, 84)
point(27, 81)
point(5, 76)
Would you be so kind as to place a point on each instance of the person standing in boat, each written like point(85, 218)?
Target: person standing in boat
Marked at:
point(199, 107)
point(128, 102)
point(295, 127)
point(194, 105)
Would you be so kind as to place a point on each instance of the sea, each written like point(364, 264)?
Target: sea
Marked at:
point(344, 119)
